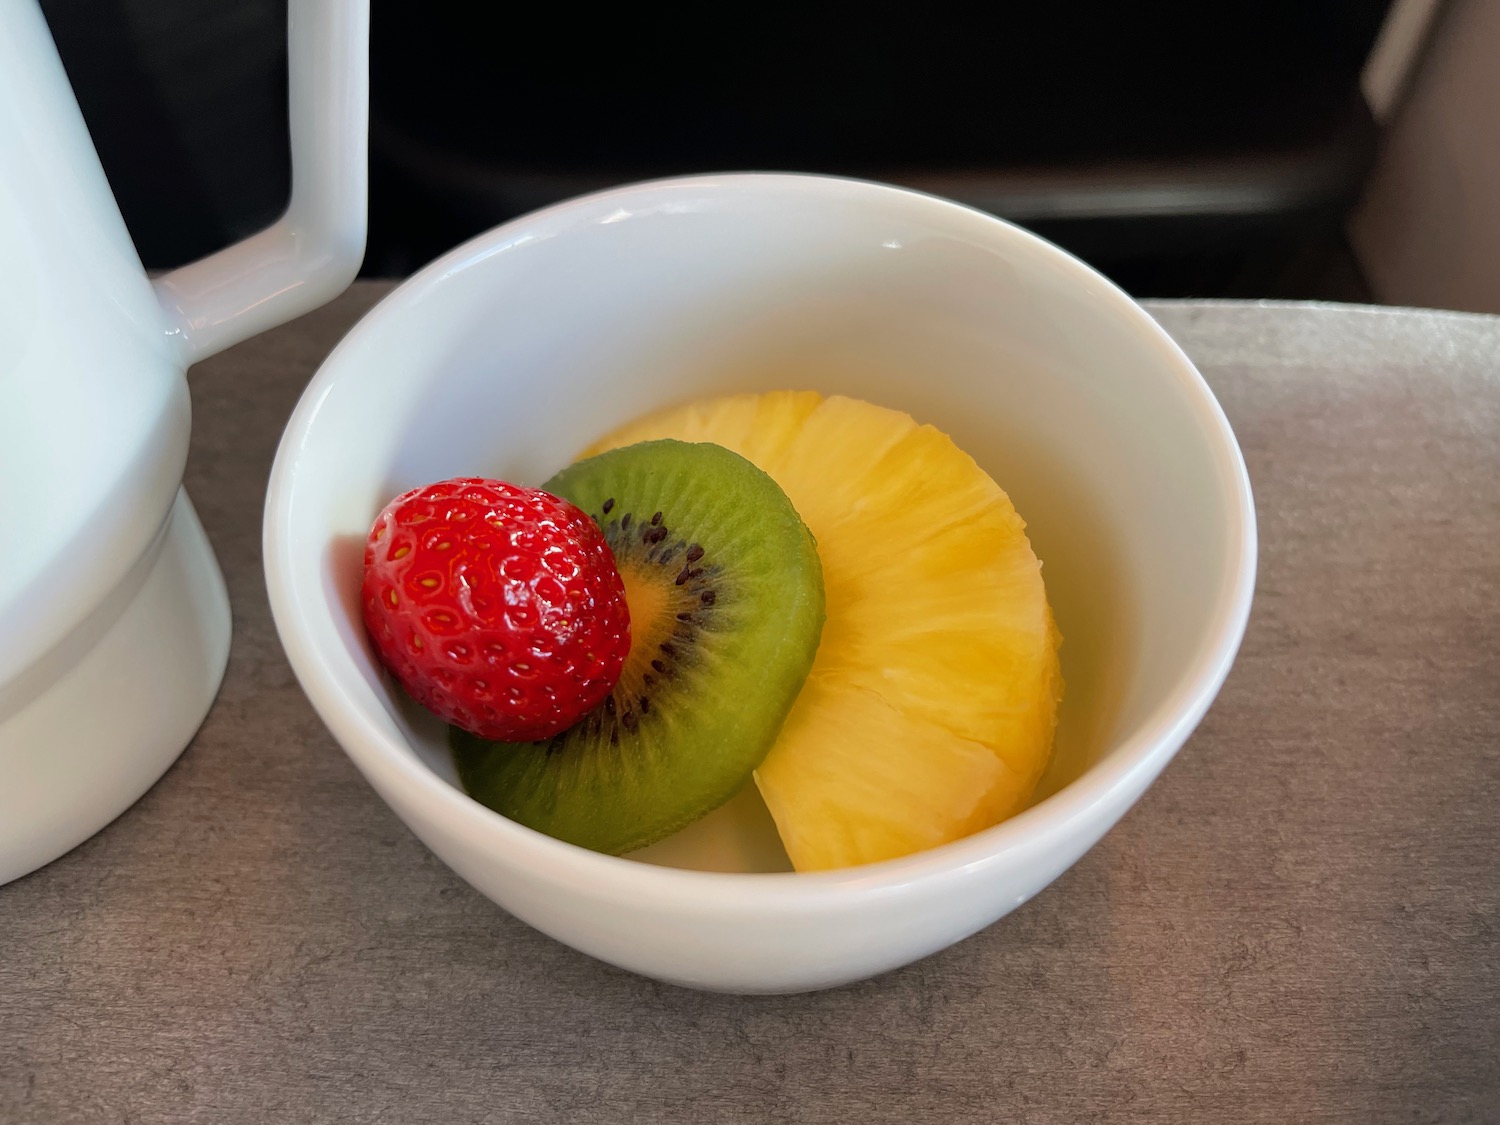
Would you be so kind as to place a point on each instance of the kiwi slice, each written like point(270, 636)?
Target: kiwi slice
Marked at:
point(726, 608)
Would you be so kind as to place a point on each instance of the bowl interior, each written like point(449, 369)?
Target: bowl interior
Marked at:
point(512, 353)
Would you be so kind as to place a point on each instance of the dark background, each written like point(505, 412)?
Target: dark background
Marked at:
point(1187, 149)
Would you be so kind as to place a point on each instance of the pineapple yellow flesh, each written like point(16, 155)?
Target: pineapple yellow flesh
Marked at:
point(854, 780)
point(931, 704)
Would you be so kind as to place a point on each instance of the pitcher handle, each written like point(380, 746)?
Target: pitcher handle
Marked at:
point(311, 254)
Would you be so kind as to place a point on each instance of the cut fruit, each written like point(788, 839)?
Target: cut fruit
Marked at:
point(726, 604)
point(930, 708)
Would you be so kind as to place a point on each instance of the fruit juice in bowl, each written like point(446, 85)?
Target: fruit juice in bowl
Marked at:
point(515, 354)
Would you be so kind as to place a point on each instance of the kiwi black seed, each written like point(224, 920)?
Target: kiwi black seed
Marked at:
point(726, 601)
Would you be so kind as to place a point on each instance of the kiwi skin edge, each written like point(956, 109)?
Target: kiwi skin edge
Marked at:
point(721, 644)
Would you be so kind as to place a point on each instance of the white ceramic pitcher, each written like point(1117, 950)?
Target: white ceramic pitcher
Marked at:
point(114, 624)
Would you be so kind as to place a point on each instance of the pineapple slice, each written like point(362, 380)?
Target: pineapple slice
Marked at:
point(931, 704)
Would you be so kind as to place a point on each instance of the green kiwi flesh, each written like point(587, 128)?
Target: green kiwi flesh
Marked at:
point(712, 673)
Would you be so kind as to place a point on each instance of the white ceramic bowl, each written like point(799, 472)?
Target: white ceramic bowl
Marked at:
point(508, 355)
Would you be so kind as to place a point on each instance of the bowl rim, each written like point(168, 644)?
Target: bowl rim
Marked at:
point(1124, 770)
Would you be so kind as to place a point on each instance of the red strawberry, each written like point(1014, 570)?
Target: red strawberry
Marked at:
point(497, 607)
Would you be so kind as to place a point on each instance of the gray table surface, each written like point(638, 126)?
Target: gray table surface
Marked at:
point(1299, 922)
